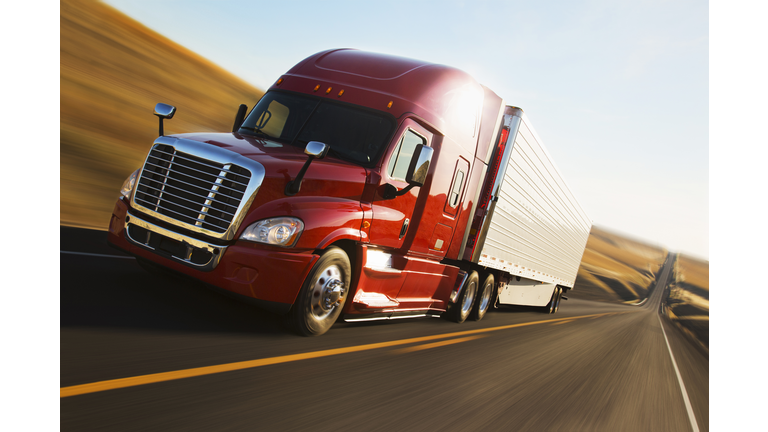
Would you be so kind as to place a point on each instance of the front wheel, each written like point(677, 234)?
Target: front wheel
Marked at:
point(323, 294)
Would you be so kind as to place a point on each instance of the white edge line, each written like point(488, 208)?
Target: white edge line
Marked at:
point(97, 255)
point(688, 407)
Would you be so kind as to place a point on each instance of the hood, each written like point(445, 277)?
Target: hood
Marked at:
point(249, 146)
point(327, 177)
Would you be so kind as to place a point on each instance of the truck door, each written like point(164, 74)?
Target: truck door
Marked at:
point(392, 218)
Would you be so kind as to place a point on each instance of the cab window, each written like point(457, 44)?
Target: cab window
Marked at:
point(401, 157)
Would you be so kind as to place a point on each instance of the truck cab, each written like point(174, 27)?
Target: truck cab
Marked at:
point(349, 190)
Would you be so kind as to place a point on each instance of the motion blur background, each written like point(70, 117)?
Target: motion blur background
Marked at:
point(113, 70)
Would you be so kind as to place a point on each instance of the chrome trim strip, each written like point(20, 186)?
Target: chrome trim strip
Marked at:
point(513, 117)
point(394, 315)
point(215, 250)
point(218, 155)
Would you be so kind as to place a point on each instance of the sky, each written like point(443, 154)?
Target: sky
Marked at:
point(618, 91)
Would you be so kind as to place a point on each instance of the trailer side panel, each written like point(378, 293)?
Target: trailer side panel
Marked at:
point(537, 229)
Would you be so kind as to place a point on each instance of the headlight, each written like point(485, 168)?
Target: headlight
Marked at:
point(128, 184)
point(282, 231)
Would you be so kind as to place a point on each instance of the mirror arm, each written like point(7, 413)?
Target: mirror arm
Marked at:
point(391, 192)
point(163, 111)
point(315, 150)
point(293, 186)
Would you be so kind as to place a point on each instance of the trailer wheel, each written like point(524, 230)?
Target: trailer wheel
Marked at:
point(484, 297)
point(460, 311)
point(323, 294)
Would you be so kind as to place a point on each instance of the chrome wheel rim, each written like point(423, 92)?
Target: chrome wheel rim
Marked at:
point(327, 293)
point(485, 300)
point(469, 299)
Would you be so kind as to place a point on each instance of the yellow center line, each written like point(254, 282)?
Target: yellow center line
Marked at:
point(562, 322)
point(228, 367)
point(438, 344)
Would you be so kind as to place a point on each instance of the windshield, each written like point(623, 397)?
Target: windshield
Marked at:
point(352, 133)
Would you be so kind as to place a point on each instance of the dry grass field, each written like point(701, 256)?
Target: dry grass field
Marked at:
point(113, 72)
point(688, 300)
point(615, 268)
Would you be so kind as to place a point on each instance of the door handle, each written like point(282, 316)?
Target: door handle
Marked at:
point(404, 229)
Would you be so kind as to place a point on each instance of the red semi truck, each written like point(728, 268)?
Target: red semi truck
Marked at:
point(361, 186)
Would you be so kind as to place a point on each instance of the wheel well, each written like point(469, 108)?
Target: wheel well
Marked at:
point(348, 246)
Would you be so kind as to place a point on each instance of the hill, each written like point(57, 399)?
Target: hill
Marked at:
point(113, 72)
point(687, 301)
point(616, 268)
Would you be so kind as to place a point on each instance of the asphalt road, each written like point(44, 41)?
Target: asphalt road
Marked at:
point(142, 353)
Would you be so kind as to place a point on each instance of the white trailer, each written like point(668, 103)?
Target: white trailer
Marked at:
point(534, 231)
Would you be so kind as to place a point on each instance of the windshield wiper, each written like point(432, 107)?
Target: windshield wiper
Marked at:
point(257, 131)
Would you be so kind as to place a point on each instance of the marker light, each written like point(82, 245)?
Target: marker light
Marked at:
point(317, 87)
point(329, 90)
point(280, 81)
point(389, 105)
point(281, 231)
point(341, 92)
point(128, 184)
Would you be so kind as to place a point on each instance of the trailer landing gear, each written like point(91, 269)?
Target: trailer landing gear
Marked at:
point(554, 302)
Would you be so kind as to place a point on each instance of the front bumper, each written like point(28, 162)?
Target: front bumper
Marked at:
point(240, 267)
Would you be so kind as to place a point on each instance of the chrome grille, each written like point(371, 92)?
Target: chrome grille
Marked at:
point(190, 189)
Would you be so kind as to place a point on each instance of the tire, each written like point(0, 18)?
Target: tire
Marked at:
point(323, 294)
point(484, 299)
point(461, 309)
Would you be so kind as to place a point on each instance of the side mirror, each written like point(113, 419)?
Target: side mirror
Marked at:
point(164, 111)
point(419, 167)
point(315, 150)
point(416, 174)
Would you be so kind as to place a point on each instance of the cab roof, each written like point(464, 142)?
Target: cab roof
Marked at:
point(447, 98)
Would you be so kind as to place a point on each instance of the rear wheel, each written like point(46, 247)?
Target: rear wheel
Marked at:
point(460, 311)
point(323, 294)
point(484, 297)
